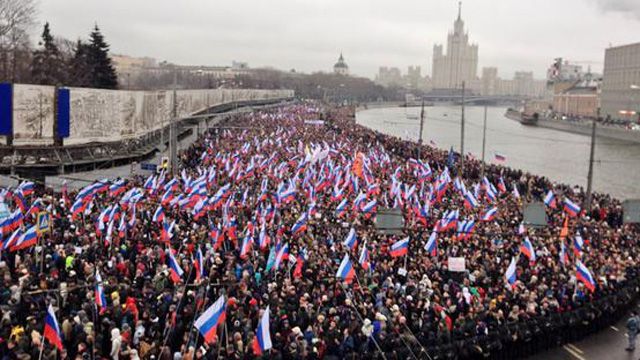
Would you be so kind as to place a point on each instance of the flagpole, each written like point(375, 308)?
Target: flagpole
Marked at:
point(220, 340)
point(184, 293)
point(41, 346)
point(95, 329)
point(195, 313)
point(353, 304)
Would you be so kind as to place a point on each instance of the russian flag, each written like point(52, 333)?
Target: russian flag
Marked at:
point(400, 248)
point(167, 197)
point(17, 234)
point(282, 254)
point(200, 209)
point(369, 208)
point(19, 200)
point(351, 241)
point(345, 270)
point(584, 275)
point(358, 200)
point(172, 185)
point(12, 222)
point(300, 225)
point(337, 193)
point(167, 230)
point(198, 264)
point(432, 244)
point(51, 329)
point(342, 208)
point(300, 260)
point(510, 275)
point(490, 193)
point(564, 257)
point(499, 157)
point(490, 214)
point(175, 270)
point(79, 206)
point(578, 245)
point(117, 188)
point(527, 249)
point(465, 229)
point(364, 257)
point(217, 236)
point(263, 237)
point(550, 199)
point(262, 340)
point(288, 196)
point(246, 246)
point(27, 239)
point(27, 188)
point(470, 201)
point(571, 208)
point(501, 186)
point(159, 214)
point(207, 324)
point(219, 196)
point(101, 299)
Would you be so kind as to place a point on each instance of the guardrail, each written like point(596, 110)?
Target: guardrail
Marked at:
point(38, 161)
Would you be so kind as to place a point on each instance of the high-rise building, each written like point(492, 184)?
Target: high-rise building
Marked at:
point(389, 76)
point(620, 97)
point(489, 81)
point(459, 63)
point(414, 77)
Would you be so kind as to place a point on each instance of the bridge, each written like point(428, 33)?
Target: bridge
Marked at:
point(474, 99)
point(46, 130)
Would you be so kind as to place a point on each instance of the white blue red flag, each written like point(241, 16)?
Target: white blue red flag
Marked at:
point(527, 249)
point(584, 275)
point(432, 244)
point(400, 248)
point(262, 340)
point(346, 272)
point(207, 324)
point(364, 257)
point(175, 270)
point(490, 214)
point(52, 330)
point(578, 245)
point(101, 299)
point(550, 199)
point(351, 241)
point(571, 208)
point(510, 275)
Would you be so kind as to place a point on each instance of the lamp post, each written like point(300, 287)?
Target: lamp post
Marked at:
point(633, 101)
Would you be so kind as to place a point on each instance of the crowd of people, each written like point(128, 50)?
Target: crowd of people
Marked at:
point(277, 209)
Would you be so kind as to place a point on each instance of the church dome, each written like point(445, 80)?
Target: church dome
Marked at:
point(341, 63)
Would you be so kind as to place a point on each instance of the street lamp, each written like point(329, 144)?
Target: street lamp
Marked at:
point(633, 100)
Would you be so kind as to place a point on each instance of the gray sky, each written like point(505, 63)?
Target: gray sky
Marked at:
point(308, 35)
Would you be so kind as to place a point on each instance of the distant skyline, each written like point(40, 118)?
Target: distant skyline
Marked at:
point(309, 35)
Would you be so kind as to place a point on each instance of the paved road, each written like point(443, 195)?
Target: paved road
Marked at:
point(608, 344)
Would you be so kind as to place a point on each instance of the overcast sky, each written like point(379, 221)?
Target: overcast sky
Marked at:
point(308, 35)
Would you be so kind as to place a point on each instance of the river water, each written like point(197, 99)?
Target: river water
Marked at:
point(561, 156)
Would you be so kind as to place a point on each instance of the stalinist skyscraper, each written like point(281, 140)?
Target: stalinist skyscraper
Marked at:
point(460, 63)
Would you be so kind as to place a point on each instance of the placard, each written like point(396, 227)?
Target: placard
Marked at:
point(457, 264)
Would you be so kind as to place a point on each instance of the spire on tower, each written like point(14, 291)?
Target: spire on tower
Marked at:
point(459, 9)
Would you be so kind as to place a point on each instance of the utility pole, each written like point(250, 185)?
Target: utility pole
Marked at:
point(421, 128)
point(587, 200)
point(462, 134)
point(484, 139)
point(173, 136)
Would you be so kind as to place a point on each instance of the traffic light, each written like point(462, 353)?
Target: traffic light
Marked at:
point(164, 164)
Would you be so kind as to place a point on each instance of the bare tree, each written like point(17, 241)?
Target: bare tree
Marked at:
point(16, 17)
